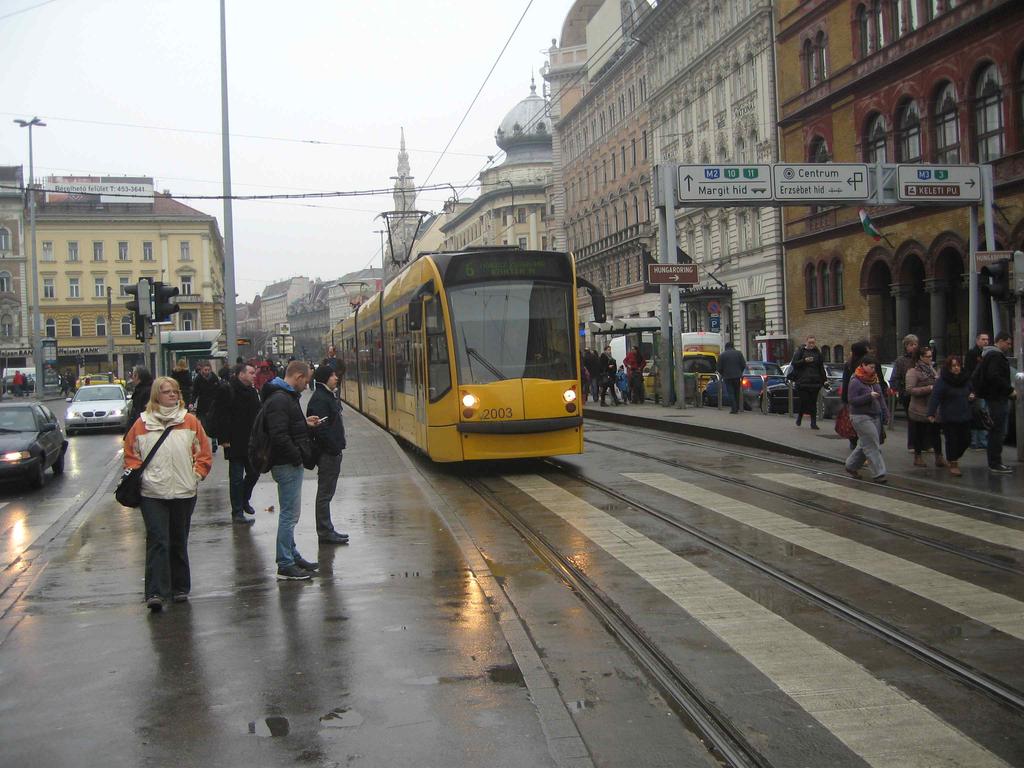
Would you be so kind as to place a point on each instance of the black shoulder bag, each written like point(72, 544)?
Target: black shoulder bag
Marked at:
point(129, 488)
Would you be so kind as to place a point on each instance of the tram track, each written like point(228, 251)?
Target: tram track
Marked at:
point(986, 560)
point(896, 637)
point(725, 741)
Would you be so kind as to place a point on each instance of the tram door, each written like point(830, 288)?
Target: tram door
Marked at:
point(419, 367)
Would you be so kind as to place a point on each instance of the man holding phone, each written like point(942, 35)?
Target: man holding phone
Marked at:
point(329, 439)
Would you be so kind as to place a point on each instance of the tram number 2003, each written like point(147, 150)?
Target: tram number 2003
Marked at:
point(496, 413)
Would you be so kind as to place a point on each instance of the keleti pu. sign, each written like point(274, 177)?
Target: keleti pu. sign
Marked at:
point(672, 274)
point(952, 183)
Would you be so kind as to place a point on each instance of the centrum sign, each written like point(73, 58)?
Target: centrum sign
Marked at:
point(821, 181)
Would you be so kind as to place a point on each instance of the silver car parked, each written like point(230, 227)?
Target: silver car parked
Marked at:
point(101, 406)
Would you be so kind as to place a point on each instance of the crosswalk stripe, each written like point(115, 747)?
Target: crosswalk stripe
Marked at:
point(876, 721)
point(978, 529)
point(997, 610)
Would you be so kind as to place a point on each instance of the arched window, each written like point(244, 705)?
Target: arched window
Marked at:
point(625, 214)
point(101, 325)
point(826, 353)
point(878, 25)
point(818, 151)
point(741, 150)
point(808, 57)
point(5, 239)
point(647, 207)
point(908, 133)
point(5, 282)
point(76, 327)
point(988, 115)
point(931, 9)
point(837, 282)
point(126, 325)
point(811, 286)
point(863, 31)
point(51, 328)
point(6, 326)
point(838, 354)
point(824, 285)
point(636, 209)
point(820, 57)
point(874, 140)
point(947, 126)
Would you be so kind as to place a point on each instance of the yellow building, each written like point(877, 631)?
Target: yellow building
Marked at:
point(94, 241)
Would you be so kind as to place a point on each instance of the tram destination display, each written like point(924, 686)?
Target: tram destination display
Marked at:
point(515, 265)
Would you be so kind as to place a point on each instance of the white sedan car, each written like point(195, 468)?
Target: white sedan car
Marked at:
point(101, 406)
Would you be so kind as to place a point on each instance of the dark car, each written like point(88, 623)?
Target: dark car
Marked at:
point(756, 376)
point(31, 441)
point(830, 402)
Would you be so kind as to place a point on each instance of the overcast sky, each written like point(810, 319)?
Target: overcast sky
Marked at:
point(320, 70)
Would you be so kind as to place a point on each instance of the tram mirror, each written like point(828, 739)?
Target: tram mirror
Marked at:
point(415, 314)
point(597, 300)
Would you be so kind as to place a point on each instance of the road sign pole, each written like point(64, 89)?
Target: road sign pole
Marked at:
point(972, 277)
point(662, 212)
point(987, 200)
point(669, 195)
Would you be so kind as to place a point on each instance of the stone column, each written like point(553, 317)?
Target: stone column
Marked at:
point(936, 289)
point(901, 292)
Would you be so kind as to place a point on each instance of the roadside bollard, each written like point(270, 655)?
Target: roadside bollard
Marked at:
point(789, 398)
point(721, 386)
point(764, 400)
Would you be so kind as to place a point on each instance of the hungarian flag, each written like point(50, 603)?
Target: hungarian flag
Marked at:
point(869, 226)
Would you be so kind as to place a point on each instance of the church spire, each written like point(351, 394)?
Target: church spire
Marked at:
point(403, 159)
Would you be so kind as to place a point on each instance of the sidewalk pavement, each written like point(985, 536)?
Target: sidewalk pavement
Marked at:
point(778, 433)
point(398, 653)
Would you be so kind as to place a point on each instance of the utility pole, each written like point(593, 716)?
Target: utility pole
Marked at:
point(230, 329)
point(37, 339)
point(110, 330)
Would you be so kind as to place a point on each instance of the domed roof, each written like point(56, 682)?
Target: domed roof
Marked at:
point(526, 122)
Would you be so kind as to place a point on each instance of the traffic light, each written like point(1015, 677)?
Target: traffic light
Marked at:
point(999, 275)
point(163, 306)
point(141, 306)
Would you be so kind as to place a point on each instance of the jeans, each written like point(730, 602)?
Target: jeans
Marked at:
point(289, 499)
point(998, 410)
point(868, 432)
point(733, 387)
point(167, 525)
point(957, 433)
point(241, 480)
point(595, 386)
point(328, 470)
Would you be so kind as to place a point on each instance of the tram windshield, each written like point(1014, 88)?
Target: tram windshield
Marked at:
point(512, 330)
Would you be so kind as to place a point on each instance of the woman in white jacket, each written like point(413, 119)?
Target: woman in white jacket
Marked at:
point(169, 487)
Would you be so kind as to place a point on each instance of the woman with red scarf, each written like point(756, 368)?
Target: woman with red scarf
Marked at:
point(867, 413)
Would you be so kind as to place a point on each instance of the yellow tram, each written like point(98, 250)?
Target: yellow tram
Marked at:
point(472, 355)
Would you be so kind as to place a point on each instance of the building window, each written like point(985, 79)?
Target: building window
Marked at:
point(188, 320)
point(824, 284)
point(811, 286)
point(837, 295)
point(755, 228)
point(186, 285)
point(122, 283)
point(186, 252)
point(809, 60)
point(988, 115)
point(99, 285)
point(97, 251)
point(51, 328)
point(7, 326)
point(837, 354)
point(72, 251)
point(874, 140)
point(723, 237)
point(76, 327)
point(5, 282)
point(820, 57)
point(931, 9)
point(126, 325)
point(122, 250)
point(101, 326)
point(947, 126)
point(73, 292)
point(49, 289)
point(147, 251)
point(818, 151)
point(705, 233)
point(908, 133)
point(523, 244)
point(5, 239)
point(644, 141)
point(47, 250)
point(878, 24)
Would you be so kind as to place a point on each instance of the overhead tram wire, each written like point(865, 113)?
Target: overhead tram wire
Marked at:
point(25, 10)
point(480, 89)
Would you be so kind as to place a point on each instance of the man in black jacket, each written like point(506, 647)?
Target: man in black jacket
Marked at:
point(329, 440)
point(991, 381)
point(731, 365)
point(290, 451)
point(204, 393)
point(608, 368)
point(234, 412)
point(979, 437)
point(809, 376)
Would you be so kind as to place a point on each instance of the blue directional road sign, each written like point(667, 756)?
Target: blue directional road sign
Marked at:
point(747, 184)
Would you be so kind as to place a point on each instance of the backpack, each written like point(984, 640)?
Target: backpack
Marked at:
point(260, 447)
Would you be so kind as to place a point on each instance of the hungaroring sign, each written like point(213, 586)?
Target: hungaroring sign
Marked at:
point(937, 183)
point(821, 182)
point(732, 184)
point(672, 274)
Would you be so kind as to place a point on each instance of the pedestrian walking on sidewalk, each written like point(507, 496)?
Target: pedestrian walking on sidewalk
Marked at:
point(291, 452)
point(635, 362)
point(899, 378)
point(592, 362)
point(731, 365)
point(142, 384)
point(169, 487)
point(204, 393)
point(991, 380)
point(609, 369)
point(328, 443)
point(183, 376)
point(979, 437)
point(234, 412)
point(950, 405)
point(857, 351)
point(925, 432)
point(867, 413)
point(809, 376)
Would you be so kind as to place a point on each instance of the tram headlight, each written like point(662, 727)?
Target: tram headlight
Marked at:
point(470, 400)
point(569, 395)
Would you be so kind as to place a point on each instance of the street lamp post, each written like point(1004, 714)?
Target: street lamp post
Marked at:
point(37, 339)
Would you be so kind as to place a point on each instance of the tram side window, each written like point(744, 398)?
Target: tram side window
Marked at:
point(400, 339)
point(378, 356)
point(437, 350)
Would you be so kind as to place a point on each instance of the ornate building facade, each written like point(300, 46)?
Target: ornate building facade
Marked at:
point(913, 81)
point(711, 97)
point(597, 74)
point(15, 321)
